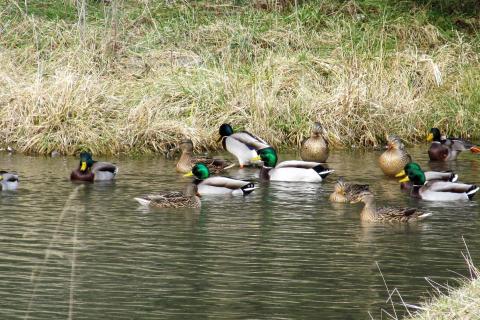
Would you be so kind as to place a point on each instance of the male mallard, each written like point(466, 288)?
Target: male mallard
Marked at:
point(446, 149)
point(315, 148)
point(293, 170)
point(187, 161)
point(218, 185)
point(345, 192)
point(438, 190)
point(242, 144)
point(448, 176)
point(395, 157)
point(8, 180)
point(90, 170)
point(188, 199)
point(386, 214)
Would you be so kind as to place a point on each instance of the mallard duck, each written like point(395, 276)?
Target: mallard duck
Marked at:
point(345, 192)
point(8, 180)
point(386, 214)
point(188, 199)
point(395, 157)
point(448, 176)
point(315, 148)
point(218, 185)
point(438, 190)
point(446, 149)
point(293, 170)
point(187, 160)
point(242, 144)
point(90, 170)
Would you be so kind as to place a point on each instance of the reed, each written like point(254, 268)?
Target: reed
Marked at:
point(137, 76)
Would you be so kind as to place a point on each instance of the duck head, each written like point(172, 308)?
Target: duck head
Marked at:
point(394, 142)
point(225, 130)
point(364, 196)
point(86, 161)
point(200, 171)
point(268, 156)
point(434, 135)
point(414, 174)
point(186, 146)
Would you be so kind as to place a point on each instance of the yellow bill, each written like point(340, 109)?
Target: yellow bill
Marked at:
point(406, 179)
point(83, 166)
point(400, 174)
point(430, 137)
point(257, 158)
point(188, 174)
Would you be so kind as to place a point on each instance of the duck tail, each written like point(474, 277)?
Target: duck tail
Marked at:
point(454, 177)
point(248, 188)
point(424, 215)
point(142, 201)
point(322, 171)
point(471, 192)
point(475, 149)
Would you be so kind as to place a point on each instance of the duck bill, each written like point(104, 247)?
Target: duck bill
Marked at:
point(406, 179)
point(188, 174)
point(400, 174)
point(83, 166)
point(430, 137)
point(257, 158)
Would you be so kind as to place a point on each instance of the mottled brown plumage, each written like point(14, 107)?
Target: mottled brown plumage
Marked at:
point(346, 192)
point(187, 160)
point(175, 199)
point(394, 159)
point(315, 148)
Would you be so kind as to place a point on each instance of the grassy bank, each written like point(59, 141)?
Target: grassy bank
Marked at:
point(136, 76)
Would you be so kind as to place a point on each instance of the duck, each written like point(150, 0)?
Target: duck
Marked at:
point(208, 185)
point(8, 180)
point(371, 213)
point(190, 198)
point(438, 190)
point(345, 192)
point(243, 145)
point(292, 170)
point(448, 176)
point(394, 159)
point(187, 160)
point(447, 149)
point(90, 170)
point(315, 148)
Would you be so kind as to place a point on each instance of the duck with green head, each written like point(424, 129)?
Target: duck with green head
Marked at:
point(243, 145)
point(292, 170)
point(91, 170)
point(208, 185)
point(437, 190)
point(448, 176)
point(446, 149)
point(8, 180)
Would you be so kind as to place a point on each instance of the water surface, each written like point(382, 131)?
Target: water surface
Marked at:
point(284, 252)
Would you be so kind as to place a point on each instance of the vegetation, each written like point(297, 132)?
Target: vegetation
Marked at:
point(136, 76)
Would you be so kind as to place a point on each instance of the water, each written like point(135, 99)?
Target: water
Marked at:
point(72, 251)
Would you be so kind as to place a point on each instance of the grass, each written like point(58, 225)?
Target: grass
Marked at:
point(137, 76)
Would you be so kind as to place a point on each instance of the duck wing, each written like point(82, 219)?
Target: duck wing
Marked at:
point(445, 186)
point(104, 166)
point(401, 214)
point(441, 175)
point(253, 142)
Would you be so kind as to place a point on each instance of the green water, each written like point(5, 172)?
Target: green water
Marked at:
point(284, 252)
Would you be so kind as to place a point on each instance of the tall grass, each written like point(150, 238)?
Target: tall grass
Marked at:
point(137, 76)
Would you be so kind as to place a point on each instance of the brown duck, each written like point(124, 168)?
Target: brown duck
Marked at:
point(187, 160)
point(394, 159)
point(346, 192)
point(315, 148)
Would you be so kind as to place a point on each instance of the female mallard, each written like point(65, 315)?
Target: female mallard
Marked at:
point(8, 180)
point(188, 199)
point(242, 144)
point(90, 170)
point(345, 192)
point(394, 159)
point(293, 170)
point(218, 185)
point(386, 214)
point(448, 176)
point(438, 190)
point(315, 148)
point(446, 149)
point(187, 161)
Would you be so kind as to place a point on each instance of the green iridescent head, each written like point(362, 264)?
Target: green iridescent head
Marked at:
point(268, 156)
point(414, 174)
point(225, 130)
point(200, 171)
point(86, 161)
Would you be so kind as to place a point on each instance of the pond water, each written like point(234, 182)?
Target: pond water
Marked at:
point(283, 252)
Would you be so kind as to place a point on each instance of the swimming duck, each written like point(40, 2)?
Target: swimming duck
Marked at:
point(315, 148)
point(293, 170)
point(243, 145)
point(386, 214)
point(438, 190)
point(345, 192)
point(90, 170)
point(448, 176)
point(187, 161)
point(446, 149)
point(8, 180)
point(394, 159)
point(218, 185)
point(188, 199)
